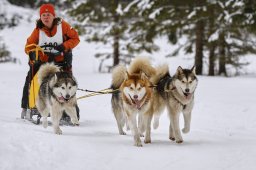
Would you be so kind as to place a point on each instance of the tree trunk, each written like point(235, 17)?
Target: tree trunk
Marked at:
point(222, 56)
point(116, 49)
point(212, 59)
point(212, 44)
point(199, 47)
point(116, 36)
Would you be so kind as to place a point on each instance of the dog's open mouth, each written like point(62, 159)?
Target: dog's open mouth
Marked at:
point(187, 95)
point(63, 99)
point(136, 102)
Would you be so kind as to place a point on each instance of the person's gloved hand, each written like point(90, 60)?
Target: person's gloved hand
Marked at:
point(60, 48)
point(32, 55)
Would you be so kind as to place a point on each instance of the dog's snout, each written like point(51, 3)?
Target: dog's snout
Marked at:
point(67, 96)
point(187, 90)
point(135, 96)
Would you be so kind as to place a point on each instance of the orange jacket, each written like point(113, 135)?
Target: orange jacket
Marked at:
point(70, 36)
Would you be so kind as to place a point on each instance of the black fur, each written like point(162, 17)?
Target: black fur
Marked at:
point(163, 84)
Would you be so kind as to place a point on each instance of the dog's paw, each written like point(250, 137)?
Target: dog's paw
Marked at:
point(137, 141)
point(58, 131)
point(122, 133)
point(179, 141)
point(172, 138)
point(138, 144)
point(75, 122)
point(185, 130)
point(146, 141)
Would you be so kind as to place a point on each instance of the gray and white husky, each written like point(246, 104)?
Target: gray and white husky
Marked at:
point(57, 93)
point(177, 93)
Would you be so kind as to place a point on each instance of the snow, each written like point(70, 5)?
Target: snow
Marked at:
point(155, 13)
point(222, 131)
point(214, 36)
point(119, 10)
point(10, 10)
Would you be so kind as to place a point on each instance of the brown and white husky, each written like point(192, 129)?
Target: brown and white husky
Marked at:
point(135, 96)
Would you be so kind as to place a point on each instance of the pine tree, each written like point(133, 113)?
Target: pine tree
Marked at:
point(4, 53)
point(30, 3)
point(233, 32)
point(119, 23)
point(103, 21)
point(220, 27)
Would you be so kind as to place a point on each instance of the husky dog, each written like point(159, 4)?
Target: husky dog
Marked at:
point(57, 93)
point(178, 95)
point(135, 95)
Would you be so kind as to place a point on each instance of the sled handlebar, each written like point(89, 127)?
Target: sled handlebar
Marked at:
point(36, 48)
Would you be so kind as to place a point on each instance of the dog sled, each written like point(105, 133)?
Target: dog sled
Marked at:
point(32, 113)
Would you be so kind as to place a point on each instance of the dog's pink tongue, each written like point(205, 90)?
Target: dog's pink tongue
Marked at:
point(188, 96)
point(61, 98)
point(137, 103)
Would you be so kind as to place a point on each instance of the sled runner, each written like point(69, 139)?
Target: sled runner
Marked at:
point(34, 85)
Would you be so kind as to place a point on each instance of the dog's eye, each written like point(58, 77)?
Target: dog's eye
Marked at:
point(183, 81)
point(190, 81)
point(63, 88)
point(131, 88)
point(70, 87)
point(139, 88)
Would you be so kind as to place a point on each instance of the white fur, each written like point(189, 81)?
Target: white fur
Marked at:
point(132, 91)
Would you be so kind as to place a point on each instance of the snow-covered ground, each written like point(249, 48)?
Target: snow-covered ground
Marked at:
point(222, 132)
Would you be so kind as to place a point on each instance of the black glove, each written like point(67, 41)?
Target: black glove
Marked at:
point(32, 55)
point(60, 48)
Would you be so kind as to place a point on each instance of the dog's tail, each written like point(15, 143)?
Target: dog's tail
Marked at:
point(118, 76)
point(142, 64)
point(161, 71)
point(46, 70)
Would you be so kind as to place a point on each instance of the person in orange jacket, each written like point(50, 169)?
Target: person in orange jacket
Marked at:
point(57, 39)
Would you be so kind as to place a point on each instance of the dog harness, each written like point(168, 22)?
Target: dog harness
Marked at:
point(163, 88)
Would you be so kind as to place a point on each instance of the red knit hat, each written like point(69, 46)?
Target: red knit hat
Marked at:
point(47, 8)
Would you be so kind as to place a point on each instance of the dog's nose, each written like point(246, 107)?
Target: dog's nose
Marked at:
point(187, 90)
point(135, 96)
point(67, 96)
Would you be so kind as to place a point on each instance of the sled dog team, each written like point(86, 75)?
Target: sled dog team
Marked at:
point(144, 92)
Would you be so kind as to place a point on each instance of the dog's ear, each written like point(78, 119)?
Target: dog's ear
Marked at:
point(127, 75)
point(143, 76)
point(53, 80)
point(75, 81)
point(193, 70)
point(179, 70)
